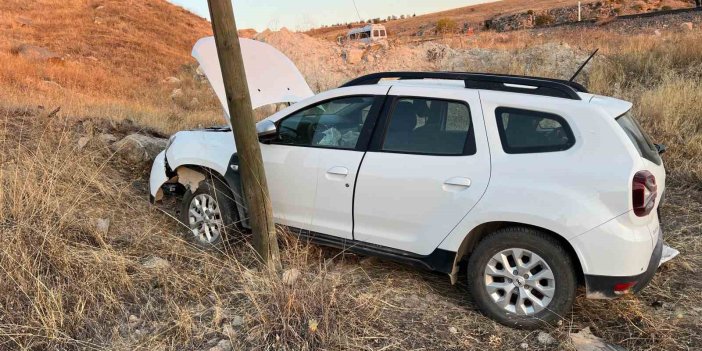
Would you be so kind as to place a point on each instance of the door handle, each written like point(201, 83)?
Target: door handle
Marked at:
point(458, 181)
point(342, 171)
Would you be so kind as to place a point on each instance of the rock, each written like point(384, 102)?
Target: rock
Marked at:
point(545, 338)
point(229, 331)
point(290, 276)
point(686, 26)
point(139, 149)
point(585, 341)
point(51, 84)
point(82, 141)
point(194, 102)
point(156, 263)
point(353, 56)
point(107, 138)
point(92, 58)
point(657, 33)
point(312, 325)
point(172, 80)
point(24, 21)
point(133, 321)
point(237, 321)
point(224, 345)
point(176, 93)
point(102, 225)
point(100, 7)
point(453, 330)
point(524, 346)
point(248, 33)
point(36, 53)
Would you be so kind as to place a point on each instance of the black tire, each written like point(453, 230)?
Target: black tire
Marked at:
point(226, 204)
point(543, 245)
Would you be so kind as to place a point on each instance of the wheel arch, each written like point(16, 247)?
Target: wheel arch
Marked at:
point(190, 175)
point(479, 232)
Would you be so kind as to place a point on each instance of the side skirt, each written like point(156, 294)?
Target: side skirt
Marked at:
point(440, 260)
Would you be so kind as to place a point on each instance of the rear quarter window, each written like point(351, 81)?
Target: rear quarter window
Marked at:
point(526, 131)
point(638, 137)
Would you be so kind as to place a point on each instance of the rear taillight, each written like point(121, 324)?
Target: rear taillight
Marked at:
point(643, 193)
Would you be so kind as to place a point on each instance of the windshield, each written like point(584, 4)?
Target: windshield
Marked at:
point(638, 137)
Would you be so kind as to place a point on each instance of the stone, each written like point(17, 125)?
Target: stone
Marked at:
point(686, 26)
point(545, 338)
point(172, 80)
point(524, 346)
point(290, 276)
point(229, 331)
point(139, 149)
point(176, 93)
point(584, 340)
point(82, 141)
point(224, 345)
point(453, 330)
point(156, 263)
point(133, 321)
point(353, 56)
point(657, 33)
point(237, 321)
point(36, 53)
point(106, 138)
point(102, 225)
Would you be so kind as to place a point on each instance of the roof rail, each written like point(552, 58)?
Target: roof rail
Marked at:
point(486, 81)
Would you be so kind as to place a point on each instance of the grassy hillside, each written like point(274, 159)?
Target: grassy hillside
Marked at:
point(104, 57)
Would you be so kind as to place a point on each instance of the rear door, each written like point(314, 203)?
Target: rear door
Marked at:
point(427, 167)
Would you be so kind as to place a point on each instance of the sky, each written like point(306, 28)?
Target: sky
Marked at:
point(305, 14)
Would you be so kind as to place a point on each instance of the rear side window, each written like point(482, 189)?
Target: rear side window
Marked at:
point(525, 131)
point(429, 126)
point(641, 141)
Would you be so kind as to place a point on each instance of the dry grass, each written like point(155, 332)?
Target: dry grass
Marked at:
point(69, 285)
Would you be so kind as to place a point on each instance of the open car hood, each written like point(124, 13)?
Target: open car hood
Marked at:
point(271, 76)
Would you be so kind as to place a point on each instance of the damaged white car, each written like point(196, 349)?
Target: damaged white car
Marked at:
point(529, 185)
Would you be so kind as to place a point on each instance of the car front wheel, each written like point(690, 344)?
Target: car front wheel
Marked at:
point(522, 277)
point(209, 213)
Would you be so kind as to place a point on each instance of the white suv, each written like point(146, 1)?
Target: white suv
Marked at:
point(534, 183)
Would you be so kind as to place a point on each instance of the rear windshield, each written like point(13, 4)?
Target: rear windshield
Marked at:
point(638, 137)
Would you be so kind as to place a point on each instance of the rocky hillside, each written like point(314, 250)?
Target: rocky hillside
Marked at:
point(508, 15)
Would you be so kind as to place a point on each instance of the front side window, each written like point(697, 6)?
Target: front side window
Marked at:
point(524, 131)
point(333, 124)
point(429, 126)
point(382, 32)
point(376, 33)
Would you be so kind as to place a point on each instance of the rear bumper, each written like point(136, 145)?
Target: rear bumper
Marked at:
point(607, 287)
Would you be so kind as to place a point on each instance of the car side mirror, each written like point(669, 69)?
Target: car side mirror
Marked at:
point(266, 130)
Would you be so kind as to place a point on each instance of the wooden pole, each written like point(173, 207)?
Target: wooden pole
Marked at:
point(241, 117)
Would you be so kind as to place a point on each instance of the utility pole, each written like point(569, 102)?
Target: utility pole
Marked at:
point(241, 117)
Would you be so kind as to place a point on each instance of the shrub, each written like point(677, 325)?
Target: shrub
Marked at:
point(446, 25)
point(543, 20)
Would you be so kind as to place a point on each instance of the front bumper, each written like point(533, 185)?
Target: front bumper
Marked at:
point(607, 287)
point(158, 177)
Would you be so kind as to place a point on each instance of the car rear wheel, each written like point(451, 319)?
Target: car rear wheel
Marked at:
point(522, 277)
point(209, 213)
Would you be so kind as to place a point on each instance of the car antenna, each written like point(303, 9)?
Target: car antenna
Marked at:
point(583, 65)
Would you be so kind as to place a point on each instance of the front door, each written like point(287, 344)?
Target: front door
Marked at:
point(427, 166)
point(311, 166)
